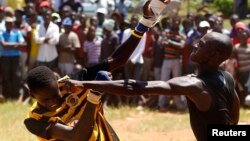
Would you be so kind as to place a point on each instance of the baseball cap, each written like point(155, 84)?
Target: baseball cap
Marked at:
point(67, 21)
point(241, 25)
point(9, 10)
point(57, 16)
point(44, 4)
point(102, 10)
point(203, 24)
point(109, 24)
point(9, 19)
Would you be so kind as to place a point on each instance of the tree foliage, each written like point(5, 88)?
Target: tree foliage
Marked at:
point(225, 6)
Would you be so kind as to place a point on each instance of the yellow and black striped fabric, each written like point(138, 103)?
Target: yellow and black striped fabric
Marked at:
point(69, 115)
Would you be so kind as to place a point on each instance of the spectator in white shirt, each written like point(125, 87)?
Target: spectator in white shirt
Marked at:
point(47, 38)
point(134, 67)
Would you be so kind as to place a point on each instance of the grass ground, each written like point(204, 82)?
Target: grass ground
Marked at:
point(130, 124)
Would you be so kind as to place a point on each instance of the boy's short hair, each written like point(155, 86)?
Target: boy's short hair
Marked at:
point(40, 78)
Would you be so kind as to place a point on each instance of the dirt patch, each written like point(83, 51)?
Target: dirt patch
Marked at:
point(123, 129)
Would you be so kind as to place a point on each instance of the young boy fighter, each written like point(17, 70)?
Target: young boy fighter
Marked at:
point(77, 114)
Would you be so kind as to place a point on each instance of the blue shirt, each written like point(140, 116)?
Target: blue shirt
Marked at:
point(15, 36)
point(2, 29)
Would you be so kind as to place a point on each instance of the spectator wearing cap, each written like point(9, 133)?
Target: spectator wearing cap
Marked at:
point(110, 39)
point(11, 40)
point(239, 26)
point(101, 16)
point(109, 5)
point(9, 12)
point(47, 38)
point(56, 19)
point(44, 6)
point(242, 52)
point(74, 5)
point(203, 28)
point(109, 44)
point(68, 43)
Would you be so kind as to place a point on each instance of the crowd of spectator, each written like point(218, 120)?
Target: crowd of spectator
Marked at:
point(59, 35)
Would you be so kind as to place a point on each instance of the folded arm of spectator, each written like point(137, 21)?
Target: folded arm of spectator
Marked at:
point(7, 45)
point(68, 49)
point(39, 40)
point(55, 36)
point(178, 45)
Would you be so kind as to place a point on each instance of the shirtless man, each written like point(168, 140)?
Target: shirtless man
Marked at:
point(210, 94)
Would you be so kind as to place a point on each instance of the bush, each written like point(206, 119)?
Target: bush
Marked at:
point(225, 6)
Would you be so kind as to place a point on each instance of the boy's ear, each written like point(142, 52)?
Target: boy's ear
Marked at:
point(31, 94)
point(29, 91)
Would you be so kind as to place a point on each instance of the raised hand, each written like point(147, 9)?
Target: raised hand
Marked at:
point(152, 10)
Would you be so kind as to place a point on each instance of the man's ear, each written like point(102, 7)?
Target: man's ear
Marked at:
point(214, 53)
point(217, 54)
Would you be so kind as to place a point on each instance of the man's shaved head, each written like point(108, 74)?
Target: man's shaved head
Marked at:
point(221, 43)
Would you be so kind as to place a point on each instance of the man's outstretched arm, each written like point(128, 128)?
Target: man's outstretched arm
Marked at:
point(188, 86)
point(129, 87)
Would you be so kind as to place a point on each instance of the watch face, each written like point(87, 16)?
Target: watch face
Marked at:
point(72, 100)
